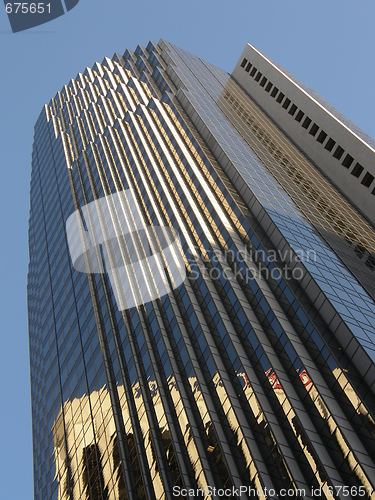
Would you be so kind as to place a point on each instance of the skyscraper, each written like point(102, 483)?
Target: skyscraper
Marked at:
point(251, 370)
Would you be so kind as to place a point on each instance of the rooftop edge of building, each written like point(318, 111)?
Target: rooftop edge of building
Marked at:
point(343, 152)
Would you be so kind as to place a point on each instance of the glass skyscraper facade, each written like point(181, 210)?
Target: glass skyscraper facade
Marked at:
point(255, 377)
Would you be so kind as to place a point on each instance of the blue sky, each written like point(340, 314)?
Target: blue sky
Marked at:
point(327, 44)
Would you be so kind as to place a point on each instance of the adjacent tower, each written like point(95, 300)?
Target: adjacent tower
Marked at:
point(223, 342)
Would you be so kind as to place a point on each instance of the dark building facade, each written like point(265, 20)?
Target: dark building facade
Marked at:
point(255, 377)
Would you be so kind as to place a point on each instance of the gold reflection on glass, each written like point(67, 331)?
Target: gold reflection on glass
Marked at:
point(92, 444)
point(311, 192)
point(89, 466)
point(83, 443)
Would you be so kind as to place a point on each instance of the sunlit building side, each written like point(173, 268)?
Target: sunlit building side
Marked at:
point(258, 371)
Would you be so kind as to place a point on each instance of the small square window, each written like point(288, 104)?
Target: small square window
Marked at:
point(286, 103)
point(280, 97)
point(348, 160)
point(360, 250)
point(244, 61)
point(357, 170)
point(321, 137)
point(263, 82)
point(274, 92)
point(253, 71)
point(258, 77)
point(330, 144)
point(306, 122)
point(247, 69)
point(299, 116)
point(293, 109)
point(338, 152)
point(367, 180)
point(314, 129)
point(268, 86)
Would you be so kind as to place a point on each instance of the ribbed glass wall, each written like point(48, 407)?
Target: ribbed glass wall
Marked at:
point(253, 377)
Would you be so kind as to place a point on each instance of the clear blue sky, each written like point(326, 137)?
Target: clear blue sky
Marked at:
point(327, 44)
